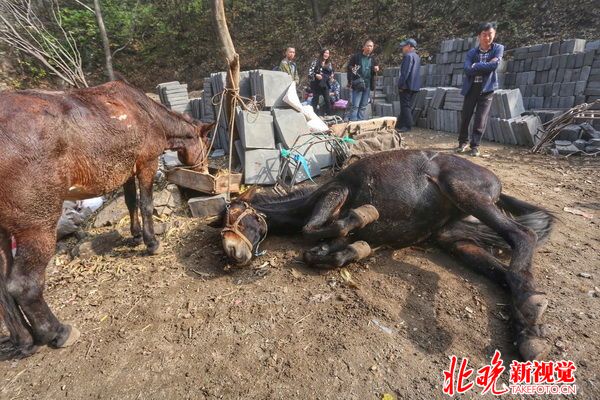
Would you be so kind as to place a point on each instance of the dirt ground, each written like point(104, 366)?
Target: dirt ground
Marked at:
point(179, 326)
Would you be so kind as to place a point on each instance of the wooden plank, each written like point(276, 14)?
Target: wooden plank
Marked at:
point(206, 183)
point(357, 127)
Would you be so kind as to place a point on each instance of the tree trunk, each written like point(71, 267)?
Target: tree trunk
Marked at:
point(104, 36)
point(316, 11)
point(233, 61)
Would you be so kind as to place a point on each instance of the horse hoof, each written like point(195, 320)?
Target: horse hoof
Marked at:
point(533, 308)
point(70, 338)
point(534, 348)
point(366, 214)
point(135, 241)
point(361, 248)
point(156, 249)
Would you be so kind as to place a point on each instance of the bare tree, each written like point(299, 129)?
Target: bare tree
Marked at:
point(21, 28)
point(233, 58)
point(105, 43)
point(316, 11)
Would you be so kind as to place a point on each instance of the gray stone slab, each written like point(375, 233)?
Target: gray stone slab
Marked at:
point(507, 131)
point(513, 103)
point(585, 73)
point(270, 86)
point(572, 46)
point(579, 60)
point(256, 129)
point(261, 166)
point(570, 132)
point(567, 89)
point(579, 88)
point(566, 102)
point(207, 206)
point(289, 125)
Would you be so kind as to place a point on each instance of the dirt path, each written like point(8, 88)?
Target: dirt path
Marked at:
point(177, 326)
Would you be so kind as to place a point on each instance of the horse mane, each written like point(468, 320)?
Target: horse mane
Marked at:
point(272, 200)
point(173, 122)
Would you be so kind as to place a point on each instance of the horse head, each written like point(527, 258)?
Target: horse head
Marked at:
point(192, 149)
point(244, 229)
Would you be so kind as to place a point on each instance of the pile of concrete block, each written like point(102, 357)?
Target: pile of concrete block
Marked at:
point(256, 147)
point(421, 104)
point(507, 124)
point(174, 95)
point(439, 109)
point(507, 103)
point(448, 67)
point(269, 86)
point(519, 130)
point(555, 75)
point(577, 138)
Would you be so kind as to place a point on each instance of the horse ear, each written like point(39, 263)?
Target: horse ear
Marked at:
point(248, 194)
point(206, 128)
point(219, 221)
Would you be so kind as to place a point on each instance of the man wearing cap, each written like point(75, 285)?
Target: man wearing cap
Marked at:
point(478, 87)
point(409, 83)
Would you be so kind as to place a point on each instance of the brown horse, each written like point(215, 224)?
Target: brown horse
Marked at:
point(401, 198)
point(73, 145)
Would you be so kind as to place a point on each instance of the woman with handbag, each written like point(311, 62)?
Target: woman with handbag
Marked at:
point(319, 73)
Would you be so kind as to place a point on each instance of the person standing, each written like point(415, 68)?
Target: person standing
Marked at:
point(289, 66)
point(361, 71)
point(409, 83)
point(319, 73)
point(479, 84)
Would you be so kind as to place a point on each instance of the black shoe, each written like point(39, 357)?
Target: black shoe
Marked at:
point(461, 148)
point(475, 152)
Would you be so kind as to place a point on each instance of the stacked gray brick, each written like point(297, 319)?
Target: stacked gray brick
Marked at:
point(553, 75)
point(174, 95)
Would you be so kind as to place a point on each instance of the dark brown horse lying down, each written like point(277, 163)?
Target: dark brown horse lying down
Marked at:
point(73, 145)
point(401, 198)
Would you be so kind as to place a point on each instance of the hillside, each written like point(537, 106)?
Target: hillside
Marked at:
point(165, 40)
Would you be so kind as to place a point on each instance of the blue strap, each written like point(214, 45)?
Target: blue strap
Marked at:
point(299, 158)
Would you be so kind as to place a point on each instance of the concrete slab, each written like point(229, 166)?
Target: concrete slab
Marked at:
point(207, 206)
point(261, 166)
point(289, 125)
point(256, 129)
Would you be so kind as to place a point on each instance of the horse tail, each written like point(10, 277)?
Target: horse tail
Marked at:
point(5, 261)
point(10, 313)
point(525, 214)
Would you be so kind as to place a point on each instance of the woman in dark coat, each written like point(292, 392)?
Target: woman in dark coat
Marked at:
point(319, 73)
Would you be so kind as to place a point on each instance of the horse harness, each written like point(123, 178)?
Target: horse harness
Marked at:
point(234, 228)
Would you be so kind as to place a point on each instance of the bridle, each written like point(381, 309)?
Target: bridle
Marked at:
point(234, 228)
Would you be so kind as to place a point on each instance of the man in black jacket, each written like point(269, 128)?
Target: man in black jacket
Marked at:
point(409, 83)
point(361, 71)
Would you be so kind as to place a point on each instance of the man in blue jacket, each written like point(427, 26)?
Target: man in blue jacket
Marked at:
point(409, 83)
point(478, 87)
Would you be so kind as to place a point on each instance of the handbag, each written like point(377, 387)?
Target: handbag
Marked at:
point(358, 84)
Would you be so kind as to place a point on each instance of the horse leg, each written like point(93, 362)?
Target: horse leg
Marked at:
point(20, 342)
point(336, 254)
point(323, 223)
point(528, 303)
point(473, 256)
point(26, 281)
point(131, 202)
point(145, 176)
